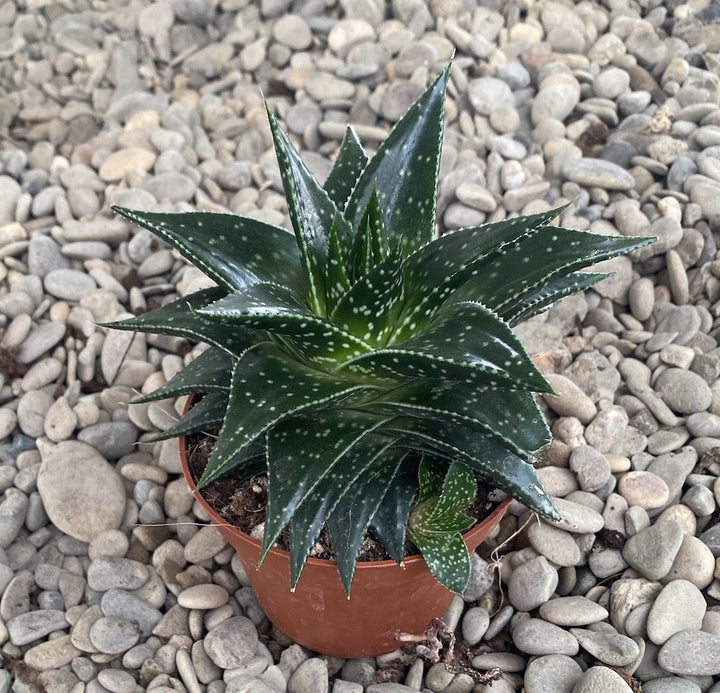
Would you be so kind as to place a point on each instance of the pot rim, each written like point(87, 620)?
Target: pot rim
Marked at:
point(327, 563)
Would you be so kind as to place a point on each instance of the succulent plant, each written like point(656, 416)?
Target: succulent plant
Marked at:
point(366, 364)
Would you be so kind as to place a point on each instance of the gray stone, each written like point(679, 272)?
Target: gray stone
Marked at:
point(310, 677)
point(69, 480)
point(557, 673)
point(532, 583)
point(107, 572)
point(232, 643)
point(679, 606)
point(601, 680)
point(598, 173)
point(691, 653)
point(652, 551)
point(537, 637)
point(123, 604)
point(610, 648)
point(572, 611)
point(683, 391)
point(33, 625)
point(113, 635)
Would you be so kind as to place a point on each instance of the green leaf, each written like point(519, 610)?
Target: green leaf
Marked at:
point(512, 417)
point(274, 308)
point(368, 310)
point(209, 372)
point(310, 516)
point(389, 523)
point(205, 415)
point(432, 273)
point(485, 456)
point(430, 477)
point(464, 341)
point(525, 267)
point(405, 172)
point(350, 519)
point(301, 451)
point(459, 490)
point(370, 245)
point(446, 556)
point(542, 299)
point(232, 250)
point(349, 164)
point(312, 213)
point(180, 318)
point(267, 387)
point(338, 281)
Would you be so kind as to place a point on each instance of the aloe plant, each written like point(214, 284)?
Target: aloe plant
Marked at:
point(364, 363)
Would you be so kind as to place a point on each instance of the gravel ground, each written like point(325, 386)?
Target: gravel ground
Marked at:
point(109, 580)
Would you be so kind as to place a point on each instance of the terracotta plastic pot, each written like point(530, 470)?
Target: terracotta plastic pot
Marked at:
point(385, 598)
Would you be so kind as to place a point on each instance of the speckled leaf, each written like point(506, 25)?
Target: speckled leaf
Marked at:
point(389, 523)
point(230, 249)
point(276, 309)
point(544, 298)
point(300, 452)
point(464, 341)
point(254, 405)
point(446, 556)
point(349, 521)
point(405, 172)
point(488, 459)
point(458, 493)
point(209, 372)
point(205, 415)
point(430, 479)
point(337, 280)
point(349, 164)
point(310, 516)
point(547, 254)
point(368, 310)
point(512, 417)
point(370, 244)
point(312, 213)
point(432, 273)
point(179, 317)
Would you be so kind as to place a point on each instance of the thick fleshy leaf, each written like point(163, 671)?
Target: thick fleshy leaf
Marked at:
point(432, 273)
point(310, 516)
point(349, 521)
point(486, 457)
point(338, 282)
point(459, 490)
point(544, 298)
point(312, 213)
point(430, 477)
point(232, 250)
point(389, 523)
point(267, 387)
point(349, 164)
point(300, 452)
point(465, 341)
point(368, 310)
point(180, 318)
point(548, 253)
point(447, 557)
point(209, 372)
point(276, 309)
point(205, 415)
point(370, 244)
point(405, 173)
point(512, 417)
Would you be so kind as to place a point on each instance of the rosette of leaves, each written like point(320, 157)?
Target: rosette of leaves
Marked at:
point(364, 363)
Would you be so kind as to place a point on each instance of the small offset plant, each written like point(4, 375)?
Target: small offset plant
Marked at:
point(365, 364)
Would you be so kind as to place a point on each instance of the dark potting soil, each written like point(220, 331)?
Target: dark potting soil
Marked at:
point(243, 503)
